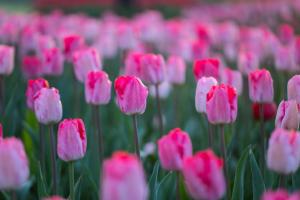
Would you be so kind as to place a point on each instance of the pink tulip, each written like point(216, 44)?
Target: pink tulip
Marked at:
point(285, 59)
point(206, 68)
point(287, 115)
point(1, 132)
point(71, 140)
point(133, 64)
point(204, 85)
point(54, 198)
point(233, 78)
point(33, 86)
point(123, 178)
point(176, 70)
point(7, 54)
point(174, 148)
point(247, 62)
point(72, 43)
point(164, 90)
point(261, 86)
point(14, 169)
point(293, 88)
point(52, 62)
point(199, 49)
point(47, 106)
point(221, 104)
point(44, 42)
point(31, 67)
point(279, 194)
point(153, 68)
point(286, 34)
point(203, 175)
point(295, 196)
point(97, 88)
point(296, 47)
point(131, 95)
point(283, 154)
point(84, 61)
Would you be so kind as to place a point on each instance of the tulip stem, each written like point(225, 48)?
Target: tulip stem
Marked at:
point(136, 139)
point(159, 109)
point(224, 155)
point(281, 181)
point(14, 195)
point(209, 131)
point(176, 103)
point(99, 132)
point(262, 130)
point(53, 159)
point(178, 185)
point(42, 148)
point(71, 180)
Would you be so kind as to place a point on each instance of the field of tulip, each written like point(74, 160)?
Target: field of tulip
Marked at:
point(204, 105)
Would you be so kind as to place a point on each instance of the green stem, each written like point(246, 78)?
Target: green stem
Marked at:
point(262, 130)
point(14, 195)
point(281, 181)
point(209, 131)
point(159, 109)
point(176, 116)
point(71, 180)
point(177, 185)
point(42, 148)
point(53, 159)
point(99, 132)
point(136, 139)
point(224, 155)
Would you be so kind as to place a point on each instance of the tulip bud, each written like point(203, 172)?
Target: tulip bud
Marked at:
point(176, 70)
point(206, 68)
point(247, 62)
point(174, 148)
point(54, 198)
point(233, 78)
point(71, 140)
point(133, 64)
point(153, 68)
point(47, 106)
point(52, 62)
point(203, 175)
point(268, 108)
point(203, 87)
point(31, 67)
point(293, 88)
point(287, 115)
point(97, 88)
point(131, 95)
point(221, 104)
point(118, 175)
point(84, 61)
point(286, 34)
point(7, 54)
point(14, 169)
point(33, 86)
point(279, 194)
point(283, 154)
point(285, 59)
point(72, 43)
point(261, 86)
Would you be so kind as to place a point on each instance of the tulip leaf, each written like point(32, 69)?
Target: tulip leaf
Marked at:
point(76, 187)
point(5, 195)
point(153, 178)
point(258, 185)
point(238, 188)
point(41, 183)
point(165, 178)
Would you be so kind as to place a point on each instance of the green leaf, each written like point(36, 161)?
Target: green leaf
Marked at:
point(153, 178)
point(258, 185)
point(76, 187)
point(156, 190)
point(6, 196)
point(41, 183)
point(238, 188)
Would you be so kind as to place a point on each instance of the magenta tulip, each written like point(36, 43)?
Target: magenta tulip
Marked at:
point(7, 54)
point(33, 86)
point(176, 68)
point(206, 68)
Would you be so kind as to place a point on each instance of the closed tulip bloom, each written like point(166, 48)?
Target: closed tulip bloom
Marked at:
point(221, 104)
point(285, 59)
point(71, 140)
point(123, 178)
point(296, 47)
point(14, 169)
point(131, 95)
point(84, 61)
point(174, 148)
point(176, 70)
point(52, 62)
point(97, 88)
point(283, 154)
point(286, 34)
point(203, 176)
point(54, 198)
point(293, 88)
point(133, 64)
point(261, 86)
point(33, 86)
point(31, 67)
point(72, 43)
point(247, 62)
point(153, 68)
point(287, 115)
point(279, 194)
point(47, 106)
point(233, 78)
point(164, 90)
point(7, 54)
point(204, 85)
point(206, 68)
point(268, 108)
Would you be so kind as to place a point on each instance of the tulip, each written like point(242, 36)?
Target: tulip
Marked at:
point(296, 48)
point(7, 54)
point(279, 194)
point(72, 43)
point(84, 61)
point(14, 169)
point(133, 64)
point(269, 111)
point(1, 132)
point(203, 176)
point(176, 70)
point(153, 68)
point(52, 62)
point(32, 67)
point(287, 115)
point(283, 155)
point(285, 59)
point(33, 86)
point(164, 90)
point(123, 178)
point(233, 78)
point(286, 34)
point(54, 198)
point(132, 99)
point(174, 148)
point(294, 89)
point(206, 68)
point(247, 62)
